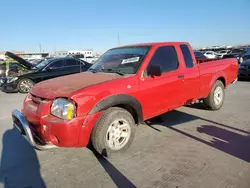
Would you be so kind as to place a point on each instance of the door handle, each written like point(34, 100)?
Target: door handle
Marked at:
point(181, 76)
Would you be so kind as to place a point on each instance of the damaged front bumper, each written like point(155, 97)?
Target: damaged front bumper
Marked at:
point(21, 124)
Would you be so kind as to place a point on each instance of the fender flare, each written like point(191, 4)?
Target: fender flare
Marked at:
point(119, 99)
point(216, 77)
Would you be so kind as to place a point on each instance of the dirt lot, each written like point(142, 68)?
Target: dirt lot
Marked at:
point(188, 147)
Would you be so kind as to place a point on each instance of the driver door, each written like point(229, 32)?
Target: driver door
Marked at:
point(162, 93)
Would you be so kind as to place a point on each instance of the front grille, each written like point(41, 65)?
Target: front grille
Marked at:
point(36, 99)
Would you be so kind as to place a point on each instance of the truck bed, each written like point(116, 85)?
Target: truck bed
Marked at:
point(210, 70)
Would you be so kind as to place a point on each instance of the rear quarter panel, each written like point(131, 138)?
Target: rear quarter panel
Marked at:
point(213, 70)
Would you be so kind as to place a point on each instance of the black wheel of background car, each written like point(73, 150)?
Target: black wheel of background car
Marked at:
point(113, 132)
point(216, 97)
point(25, 85)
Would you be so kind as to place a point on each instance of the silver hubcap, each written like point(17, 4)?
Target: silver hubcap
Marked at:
point(118, 134)
point(26, 85)
point(218, 95)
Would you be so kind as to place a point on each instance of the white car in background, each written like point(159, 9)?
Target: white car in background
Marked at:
point(210, 54)
point(221, 53)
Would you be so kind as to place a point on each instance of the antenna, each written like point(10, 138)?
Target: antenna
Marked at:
point(118, 39)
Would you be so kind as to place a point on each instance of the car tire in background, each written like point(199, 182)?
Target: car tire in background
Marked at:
point(113, 132)
point(216, 97)
point(25, 85)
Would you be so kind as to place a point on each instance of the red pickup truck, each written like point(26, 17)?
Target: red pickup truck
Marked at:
point(126, 86)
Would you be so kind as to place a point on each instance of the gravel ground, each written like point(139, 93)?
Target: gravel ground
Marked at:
point(188, 147)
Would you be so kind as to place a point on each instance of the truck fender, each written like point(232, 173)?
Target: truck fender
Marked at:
point(218, 76)
point(119, 99)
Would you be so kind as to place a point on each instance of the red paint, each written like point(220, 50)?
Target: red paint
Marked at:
point(87, 89)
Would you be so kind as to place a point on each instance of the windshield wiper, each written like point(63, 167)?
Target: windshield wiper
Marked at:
point(114, 71)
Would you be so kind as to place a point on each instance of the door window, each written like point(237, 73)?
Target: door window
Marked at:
point(72, 63)
point(166, 57)
point(56, 64)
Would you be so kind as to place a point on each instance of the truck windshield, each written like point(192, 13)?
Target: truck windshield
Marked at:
point(124, 60)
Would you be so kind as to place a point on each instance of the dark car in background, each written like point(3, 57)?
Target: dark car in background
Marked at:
point(24, 80)
point(9, 68)
point(244, 70)
point(239, 53)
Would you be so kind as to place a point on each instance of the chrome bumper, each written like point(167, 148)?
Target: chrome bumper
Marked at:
point(235, 81)
point(21, 124)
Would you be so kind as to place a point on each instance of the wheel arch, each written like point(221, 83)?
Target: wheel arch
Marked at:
point(223, 80)
point(24, 77)
point(219, 76)
point(125, 101)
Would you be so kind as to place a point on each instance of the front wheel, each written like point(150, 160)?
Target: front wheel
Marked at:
point(113, 132)
point(25, 85)
point(216, 97)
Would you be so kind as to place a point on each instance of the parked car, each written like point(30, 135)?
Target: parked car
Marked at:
point(77, 56)
point(199, 55)
point(9, 69)
point(246, 57)
point(36, 61)
point(210, 54)
point(238, 53)
point(24, 80)
point(84, 58)
point(244, 69)
point(126, 86)
point(221, 53)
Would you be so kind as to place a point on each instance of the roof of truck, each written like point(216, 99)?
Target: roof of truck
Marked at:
point(153, 44)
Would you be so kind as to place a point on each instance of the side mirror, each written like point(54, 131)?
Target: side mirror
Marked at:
point(154, 70)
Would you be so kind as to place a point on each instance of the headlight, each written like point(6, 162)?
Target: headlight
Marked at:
point(12, 79)
point(62, 108)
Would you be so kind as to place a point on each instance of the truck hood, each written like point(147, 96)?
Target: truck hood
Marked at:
point(65, 85)
point(19, 60)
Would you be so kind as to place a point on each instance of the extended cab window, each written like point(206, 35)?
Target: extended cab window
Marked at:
point(166, 57)
point(187, 56)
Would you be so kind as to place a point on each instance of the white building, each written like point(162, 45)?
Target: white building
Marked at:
point(86, 53)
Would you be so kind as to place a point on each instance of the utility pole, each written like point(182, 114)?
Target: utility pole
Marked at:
point(118, 39)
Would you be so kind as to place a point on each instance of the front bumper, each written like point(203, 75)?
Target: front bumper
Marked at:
point(21, 124)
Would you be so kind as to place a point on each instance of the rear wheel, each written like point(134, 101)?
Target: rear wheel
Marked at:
point(114, 132)
point(25, 85)
point(216, 97)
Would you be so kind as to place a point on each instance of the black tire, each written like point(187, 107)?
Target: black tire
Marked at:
point(26, 81)
point(210, 101)
point(99, 132)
